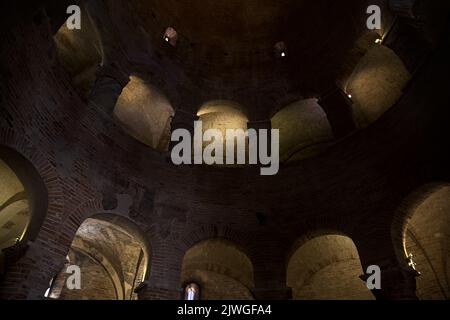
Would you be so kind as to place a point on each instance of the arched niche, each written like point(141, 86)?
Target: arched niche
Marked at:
point(427, 244)
point(114, 257)
point(376, 84)
point(224, 115)
point(327, 268)
point(23, 199)
point(14, 208)
point(80, 53)
point(221, 269)
point(304, 130)
point(145, 113)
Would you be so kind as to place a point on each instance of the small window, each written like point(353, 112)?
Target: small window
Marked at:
point(192, 292)
point(171, 36)
point(50, 288)
point(280, 50)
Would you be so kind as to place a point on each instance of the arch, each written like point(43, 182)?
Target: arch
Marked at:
point(108, 283)
point(14, 209)
point(421, 231)
point(23, 198)
point(110, 246)
point(132, 230)
point(23, 209)
point(304, 130)
point(220, 268)
point(326, 267)
point(376, 84)
point(405, 212)
point(48, 217)
point(145, 113)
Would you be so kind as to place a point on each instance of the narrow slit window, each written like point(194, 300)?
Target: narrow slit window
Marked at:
point(192, 292)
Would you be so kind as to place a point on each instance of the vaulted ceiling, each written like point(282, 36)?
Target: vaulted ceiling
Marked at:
point(235, 39)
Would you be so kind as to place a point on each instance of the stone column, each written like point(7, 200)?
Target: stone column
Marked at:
point(337, 106)
point(270, 281)
point(108, 86)
point(148, 292)
point(164, 282)
point(10, 256)
point(280, 293)
point(183, 120)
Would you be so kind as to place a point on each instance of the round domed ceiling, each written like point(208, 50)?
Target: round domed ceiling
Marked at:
point(219, 38)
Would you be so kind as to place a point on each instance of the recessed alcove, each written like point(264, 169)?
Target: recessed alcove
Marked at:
point(327, 268)
point(221, 269)
point(304, 130)
point(23, 199)
point(427, 244)
point(145, 113)
point(113, 256)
